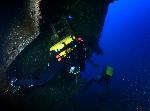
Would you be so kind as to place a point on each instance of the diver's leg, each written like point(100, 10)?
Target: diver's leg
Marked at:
point(105, 81)
point(107, 87)
point(89, 83)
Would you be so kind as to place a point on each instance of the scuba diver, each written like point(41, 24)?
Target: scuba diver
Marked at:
point(105, 78)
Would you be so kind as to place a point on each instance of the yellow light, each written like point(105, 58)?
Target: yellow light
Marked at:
point(58, 46)
point(65, 52)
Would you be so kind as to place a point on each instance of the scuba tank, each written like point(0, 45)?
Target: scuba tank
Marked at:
point(109, 71)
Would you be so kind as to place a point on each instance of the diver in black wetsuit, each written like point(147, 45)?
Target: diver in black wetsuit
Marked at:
point(104, 79)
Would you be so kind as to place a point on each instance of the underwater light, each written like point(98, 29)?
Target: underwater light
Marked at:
point(12, 84)
point(72, 69)
point(31, 85)
point(57, 56)
point(80, 39)
point(70, 17)
point(48, 64)
point(12, 81)
point(59, 59)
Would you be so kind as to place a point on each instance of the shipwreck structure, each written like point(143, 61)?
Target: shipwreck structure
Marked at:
point(60, 18)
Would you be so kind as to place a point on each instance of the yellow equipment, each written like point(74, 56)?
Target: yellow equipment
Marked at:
point(109, 71)
point(58, 46)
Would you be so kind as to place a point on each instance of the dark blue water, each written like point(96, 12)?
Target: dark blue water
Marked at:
point(126, 45)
